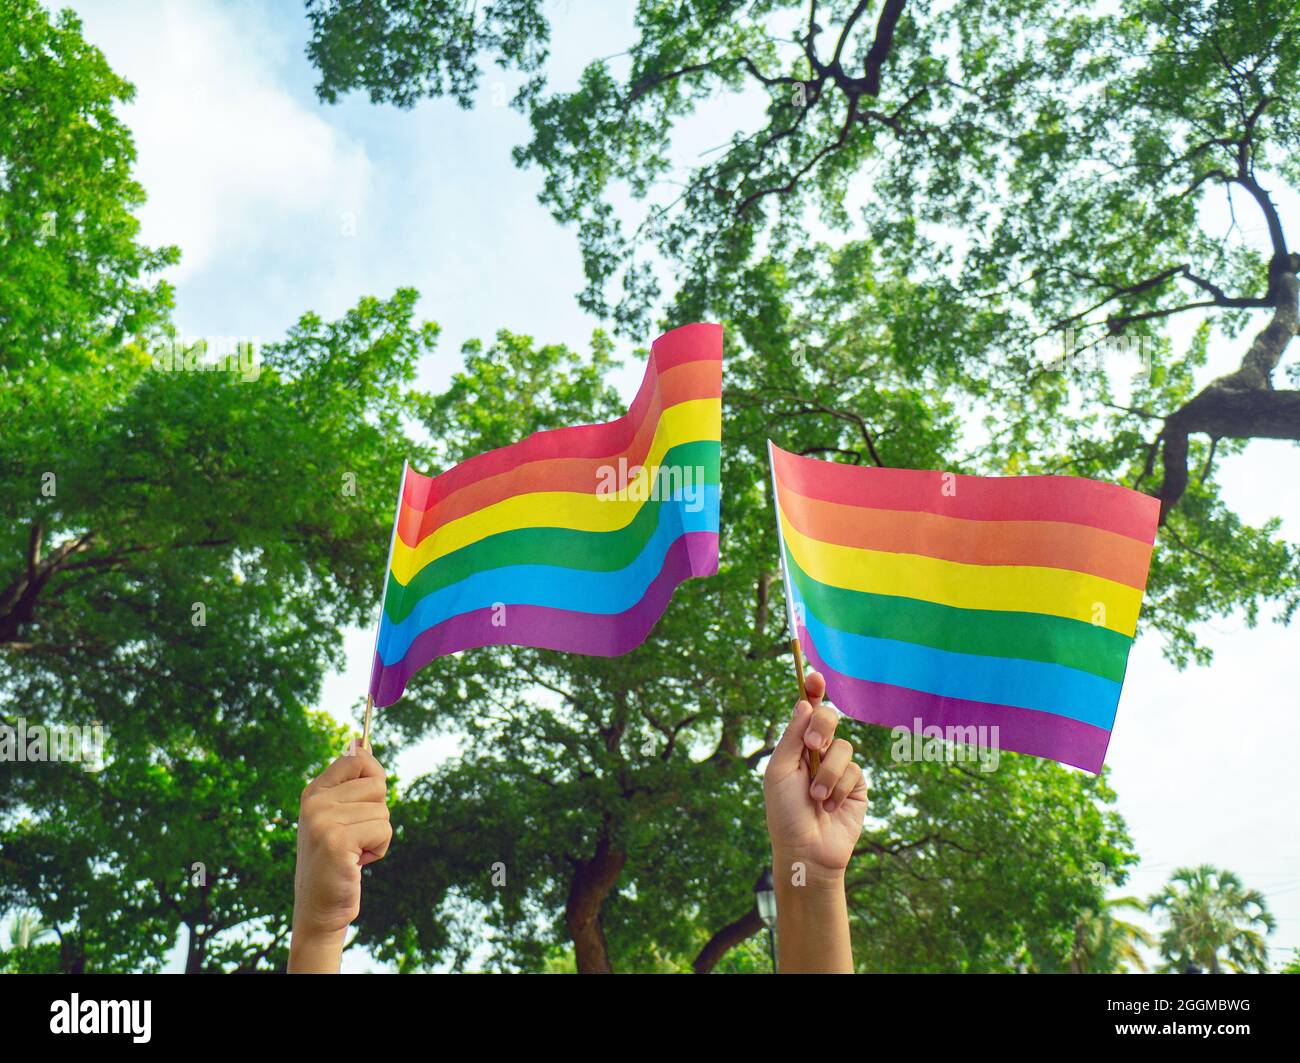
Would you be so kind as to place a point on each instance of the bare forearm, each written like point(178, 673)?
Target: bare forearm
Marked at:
point(812, 919)
point(316, 953)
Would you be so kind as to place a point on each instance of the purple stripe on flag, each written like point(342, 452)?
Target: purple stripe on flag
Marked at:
point(570, 631)
point(1043, 734)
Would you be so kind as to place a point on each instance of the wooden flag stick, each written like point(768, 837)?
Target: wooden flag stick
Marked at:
point(365, 727)
point(383, 593)
point(814, 757)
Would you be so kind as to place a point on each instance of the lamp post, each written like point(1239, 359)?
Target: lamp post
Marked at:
point(765, 900)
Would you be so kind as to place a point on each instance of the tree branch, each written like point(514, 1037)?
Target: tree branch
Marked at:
point(725, 940)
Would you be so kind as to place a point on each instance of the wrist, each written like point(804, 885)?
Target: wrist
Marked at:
point(792, 870)
point(315, 951)
point(812, 919)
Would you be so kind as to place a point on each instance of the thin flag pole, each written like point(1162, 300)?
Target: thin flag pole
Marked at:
point(383, 593)
point(814, 757)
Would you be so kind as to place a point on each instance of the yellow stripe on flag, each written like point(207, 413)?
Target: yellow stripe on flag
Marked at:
point(1008, 588)
point(686, 422)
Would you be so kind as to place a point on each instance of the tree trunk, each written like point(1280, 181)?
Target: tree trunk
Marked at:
point(72, 954)
point(1243, 404)
point(195, 954)
point(592, 883)
point(726, 939)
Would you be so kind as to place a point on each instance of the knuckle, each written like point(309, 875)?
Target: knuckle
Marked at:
point(335, 840)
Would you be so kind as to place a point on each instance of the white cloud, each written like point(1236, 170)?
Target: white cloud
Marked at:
point(228, 157)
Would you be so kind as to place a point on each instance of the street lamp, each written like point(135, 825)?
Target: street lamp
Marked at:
point(765, 900)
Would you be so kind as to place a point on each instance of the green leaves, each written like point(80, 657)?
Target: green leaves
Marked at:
point(75, 279)
point(405, 49)
point(181, 552)
point(1212, 922)
point(512, 389)
point(1022, 180)
point(926, 196)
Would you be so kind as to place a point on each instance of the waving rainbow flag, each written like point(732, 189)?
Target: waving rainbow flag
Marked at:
point(929, 599)
point(572, 539)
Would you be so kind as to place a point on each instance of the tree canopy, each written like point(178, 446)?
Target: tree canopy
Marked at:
point(931, 192)
point(1057, 182)
point(1212, 922)
point(180, 547)
point(75, 277)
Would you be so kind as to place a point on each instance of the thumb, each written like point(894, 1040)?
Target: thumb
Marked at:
point(785, 757)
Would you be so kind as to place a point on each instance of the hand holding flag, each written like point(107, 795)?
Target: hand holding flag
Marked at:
point(814, 817)
point(343, 825)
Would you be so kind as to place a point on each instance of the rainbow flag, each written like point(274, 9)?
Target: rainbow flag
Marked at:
point(929, 599)
point(571, 539)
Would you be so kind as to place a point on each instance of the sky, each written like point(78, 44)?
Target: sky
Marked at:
point(281, 205)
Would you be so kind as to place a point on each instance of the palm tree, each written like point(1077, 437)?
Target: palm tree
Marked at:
point(26, 929)
point(1209, 912)
point(1105, 944)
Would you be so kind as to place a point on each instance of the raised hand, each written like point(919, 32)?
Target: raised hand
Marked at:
point(817, 819)
point(342, 826)
point(814, 823)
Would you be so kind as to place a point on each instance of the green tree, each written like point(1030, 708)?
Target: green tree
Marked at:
point(209, 538)
point(180, 549)
point(1104, 942)
point(1020, 173)
point(75, 278)
point(619, 798)
point(1213, 922)
point(1049, 177)
point(26, 929)
point(420, 48)
point(1107, 944)
point(196, 838)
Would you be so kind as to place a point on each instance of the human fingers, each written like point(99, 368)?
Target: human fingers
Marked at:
point(371, 838)
point(851, 784)
point(835, 762)
point(367, 788)
point(785, 757)
point(821, 729)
